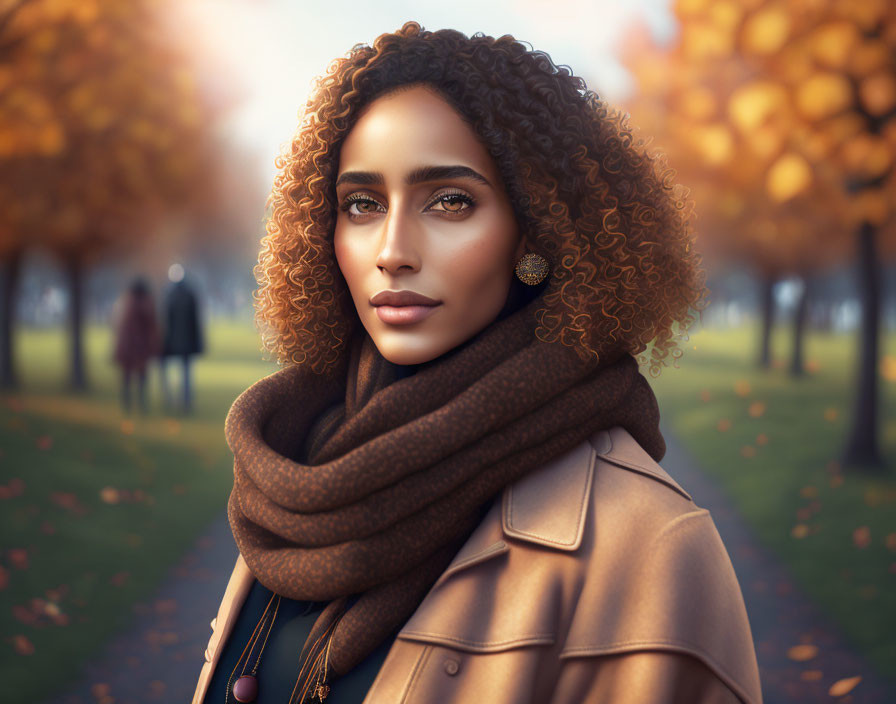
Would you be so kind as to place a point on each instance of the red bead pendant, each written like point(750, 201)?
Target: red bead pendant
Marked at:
point(245, 689)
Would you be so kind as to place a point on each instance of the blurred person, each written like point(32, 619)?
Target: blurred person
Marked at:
point(183, 335)
point(137, 340)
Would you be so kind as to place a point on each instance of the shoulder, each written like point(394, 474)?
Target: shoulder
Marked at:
point(654, 573)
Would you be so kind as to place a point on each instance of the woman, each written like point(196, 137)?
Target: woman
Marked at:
point(451, 491)
point(137, 340)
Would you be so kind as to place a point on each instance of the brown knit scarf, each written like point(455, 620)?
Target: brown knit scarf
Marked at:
point(358, 489)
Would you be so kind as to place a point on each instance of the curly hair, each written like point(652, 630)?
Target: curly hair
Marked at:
point(589, 197)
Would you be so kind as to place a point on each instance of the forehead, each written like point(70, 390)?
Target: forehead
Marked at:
point(410, 128)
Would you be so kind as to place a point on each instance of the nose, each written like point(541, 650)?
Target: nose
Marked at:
point(399, 242)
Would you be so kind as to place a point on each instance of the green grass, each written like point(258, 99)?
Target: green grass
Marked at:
point(780, 465)
point(95, 506)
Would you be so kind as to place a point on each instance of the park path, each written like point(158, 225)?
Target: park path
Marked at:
point(157, 659)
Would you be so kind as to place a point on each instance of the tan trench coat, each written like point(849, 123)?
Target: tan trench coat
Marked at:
point(593, 579)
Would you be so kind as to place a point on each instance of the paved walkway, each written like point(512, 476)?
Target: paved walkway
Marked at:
point(780, 616)
point(159, 658)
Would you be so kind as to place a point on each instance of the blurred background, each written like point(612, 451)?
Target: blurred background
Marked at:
point(137, 147)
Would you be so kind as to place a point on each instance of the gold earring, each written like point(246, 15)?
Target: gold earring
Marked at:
point(532, 269)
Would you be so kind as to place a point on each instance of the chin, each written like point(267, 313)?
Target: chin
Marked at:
point(405, 357)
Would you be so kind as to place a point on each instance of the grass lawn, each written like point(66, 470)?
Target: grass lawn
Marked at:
point(773, 443)
point(96, 506)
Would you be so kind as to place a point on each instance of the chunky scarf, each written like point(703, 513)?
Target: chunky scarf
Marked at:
point(359, 488)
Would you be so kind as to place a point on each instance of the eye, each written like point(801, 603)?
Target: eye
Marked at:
point(358, 205)
point(452, 203)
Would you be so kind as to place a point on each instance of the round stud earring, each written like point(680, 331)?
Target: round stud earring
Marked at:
point(532, 269)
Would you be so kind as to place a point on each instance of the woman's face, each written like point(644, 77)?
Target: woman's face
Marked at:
point(422, 213)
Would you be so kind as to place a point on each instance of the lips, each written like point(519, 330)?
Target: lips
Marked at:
point(403, 307)
point(401, 298)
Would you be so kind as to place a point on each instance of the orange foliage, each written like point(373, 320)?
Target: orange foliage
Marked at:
point(103, 126)
point(781, 116)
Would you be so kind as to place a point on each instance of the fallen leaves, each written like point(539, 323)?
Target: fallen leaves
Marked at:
point(742, 387)
point(723, 425)
point(830, 414)
point(22, 645)
point(800, 530)
point(109, 495)
point(861, 537)
point(16, 487)
point(18, 558)
point(844, 686)
point(756, 409)
point(803, 652)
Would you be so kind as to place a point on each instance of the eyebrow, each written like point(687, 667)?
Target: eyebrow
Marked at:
point(419, 175)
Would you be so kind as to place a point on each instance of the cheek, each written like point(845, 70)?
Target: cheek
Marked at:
point(483, 264)
point(347, 258)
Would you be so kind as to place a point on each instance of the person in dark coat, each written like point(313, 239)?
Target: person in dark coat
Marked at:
point(183, 334)
point(137, 340)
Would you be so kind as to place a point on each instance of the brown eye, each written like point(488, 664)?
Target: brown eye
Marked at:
point(451, 203)
point(357, 205)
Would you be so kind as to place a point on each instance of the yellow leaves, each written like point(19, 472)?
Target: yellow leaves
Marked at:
point(866, 155)
point(766, 31)
point(802, 653)
point(823, 95)
point(699, 103)
point(788, 177)
point(702, 40)
point(714, 143)
point(869, 56)
point(832, 43)
point(751, 105)
point(878, 93)
point(844, 686)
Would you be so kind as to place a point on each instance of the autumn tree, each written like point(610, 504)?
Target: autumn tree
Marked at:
point(104, 133)
point(781, 113)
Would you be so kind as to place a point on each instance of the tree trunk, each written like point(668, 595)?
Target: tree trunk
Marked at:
point(74, 271)
point(11, 268)
point(767, 315)
point(862, 444)
point(800, 315)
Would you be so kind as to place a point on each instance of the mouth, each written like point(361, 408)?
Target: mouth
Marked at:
point(403, 307)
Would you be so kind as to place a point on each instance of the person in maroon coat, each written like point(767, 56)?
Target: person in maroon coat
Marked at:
point(137, 340)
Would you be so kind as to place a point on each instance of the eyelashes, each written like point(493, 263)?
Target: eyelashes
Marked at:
point(454, 203)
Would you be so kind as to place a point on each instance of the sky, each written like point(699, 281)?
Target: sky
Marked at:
point(273, 49)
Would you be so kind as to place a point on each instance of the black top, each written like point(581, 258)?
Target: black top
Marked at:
point(279, 667)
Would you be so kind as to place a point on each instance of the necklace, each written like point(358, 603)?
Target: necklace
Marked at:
point(245, 689)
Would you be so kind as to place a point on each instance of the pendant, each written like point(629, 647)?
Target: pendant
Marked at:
point(322, 691)
point(245, 689)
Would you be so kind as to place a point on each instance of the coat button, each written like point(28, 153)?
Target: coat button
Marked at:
point(452, 666)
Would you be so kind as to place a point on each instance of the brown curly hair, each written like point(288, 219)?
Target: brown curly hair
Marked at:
point(587, 196)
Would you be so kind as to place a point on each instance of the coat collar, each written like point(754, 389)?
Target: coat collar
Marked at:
point(549, 506)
